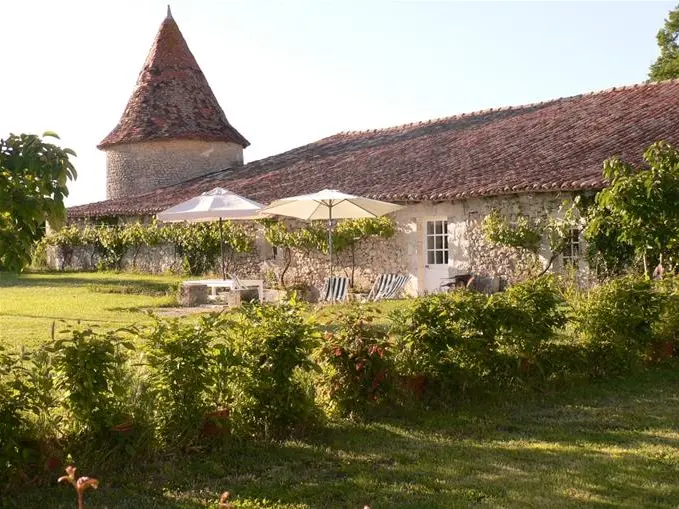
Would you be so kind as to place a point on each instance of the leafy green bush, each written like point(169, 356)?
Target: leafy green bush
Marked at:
point(181, 358)
point(39, 255)
point(39, 385)
point(615, 321)
point(13, 427)
point(89, 366)
point(528, 315)
point(666, 328)
point(271, 345)
point(448, 338)
point(354, 360)
point(199, 245)
point(66, 240)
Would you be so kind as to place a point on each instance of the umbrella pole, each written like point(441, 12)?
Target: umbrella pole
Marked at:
point(330, 236)
point(221, 248)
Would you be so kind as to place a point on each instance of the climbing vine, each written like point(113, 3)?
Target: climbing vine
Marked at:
point(197, 246)
point(526, 233)
point(313, 237)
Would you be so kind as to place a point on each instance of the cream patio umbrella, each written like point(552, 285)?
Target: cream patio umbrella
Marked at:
point(217, 204)
point(329, 204)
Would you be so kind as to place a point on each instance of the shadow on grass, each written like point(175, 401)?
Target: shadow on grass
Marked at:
point(614, 444)
point(108, 284)
point(62, 322)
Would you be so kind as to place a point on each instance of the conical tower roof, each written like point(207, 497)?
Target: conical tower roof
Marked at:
point(172, 98)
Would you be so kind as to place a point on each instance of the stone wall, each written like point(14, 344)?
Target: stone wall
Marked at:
point(134, 168)
point(469, 252)
point(371, 257)
point(154, 260)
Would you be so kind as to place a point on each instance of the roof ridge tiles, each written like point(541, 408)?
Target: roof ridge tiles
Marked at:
point(512, 107)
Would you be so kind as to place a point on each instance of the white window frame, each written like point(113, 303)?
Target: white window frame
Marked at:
point(573, 249)
point(443, 235)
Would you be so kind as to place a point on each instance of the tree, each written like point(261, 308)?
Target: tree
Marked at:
point(637, 216)
point(667, 64)
point(33, 184)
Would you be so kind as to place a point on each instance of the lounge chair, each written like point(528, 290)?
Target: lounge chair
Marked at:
point(335, 290)
point(388, 286)
point(248, 284)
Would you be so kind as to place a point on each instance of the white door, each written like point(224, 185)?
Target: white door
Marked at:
point(435, 254)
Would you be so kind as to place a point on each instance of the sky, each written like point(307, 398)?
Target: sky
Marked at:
point(289, 73)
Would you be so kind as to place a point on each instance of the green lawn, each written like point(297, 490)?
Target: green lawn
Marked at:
point(30, 303)
point(610, 445)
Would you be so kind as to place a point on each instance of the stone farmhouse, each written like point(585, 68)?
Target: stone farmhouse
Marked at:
point(174, 142)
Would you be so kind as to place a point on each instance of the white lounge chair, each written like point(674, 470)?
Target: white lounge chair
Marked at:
point(388, 286)
point(335, 289)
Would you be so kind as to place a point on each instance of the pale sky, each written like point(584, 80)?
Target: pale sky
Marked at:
point(288, 73)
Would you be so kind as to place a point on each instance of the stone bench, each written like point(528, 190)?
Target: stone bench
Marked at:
point(192, 294)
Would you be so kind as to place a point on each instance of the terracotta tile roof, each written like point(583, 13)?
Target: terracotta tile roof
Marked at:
point(172, 99)
point(551, 146)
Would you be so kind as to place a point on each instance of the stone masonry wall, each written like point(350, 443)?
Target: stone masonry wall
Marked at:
point(154, 260)
point(469, 252)
point(135, 168)
point(372, 257)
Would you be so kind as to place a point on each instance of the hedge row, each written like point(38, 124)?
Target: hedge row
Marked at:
point(269, 372)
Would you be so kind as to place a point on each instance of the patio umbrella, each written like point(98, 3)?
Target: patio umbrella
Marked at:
point(330, 204)
point(217, 204)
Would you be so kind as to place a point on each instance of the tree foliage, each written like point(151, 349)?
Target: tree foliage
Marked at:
point(33, 184)
point(666, 65)
point(637, 216)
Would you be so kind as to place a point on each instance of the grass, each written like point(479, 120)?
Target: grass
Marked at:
point(30, 303)
point(611, 445)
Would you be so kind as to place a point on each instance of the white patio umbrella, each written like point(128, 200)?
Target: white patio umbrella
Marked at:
point(330, 204)
point(217, 204)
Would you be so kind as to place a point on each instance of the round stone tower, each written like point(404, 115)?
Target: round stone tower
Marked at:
point(173, 128)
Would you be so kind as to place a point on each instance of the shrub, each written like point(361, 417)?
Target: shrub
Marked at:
point(89, 366)
point(66, 240)
point(528, 315)
point(271, 345)
point(181, 358)
point(13, 428)
point(666, 328)
point(39, 255)
point(39, 385)
point(355, 363)
point(448, 338)
point(615, 321)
